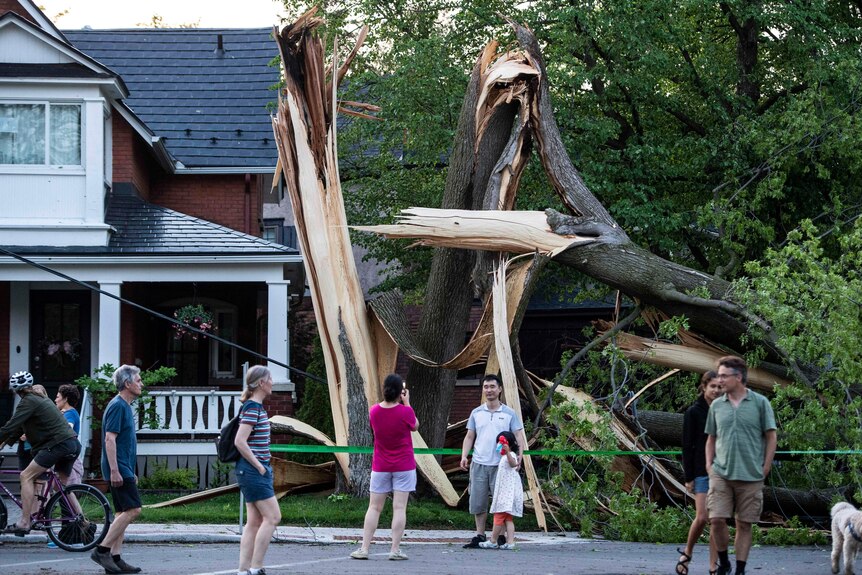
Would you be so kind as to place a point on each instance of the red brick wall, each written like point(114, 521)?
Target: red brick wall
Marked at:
point(15, 6)
point(4, 332)
point(466, 399)
point(131, 163)
point(217, 198)
point(279, 403)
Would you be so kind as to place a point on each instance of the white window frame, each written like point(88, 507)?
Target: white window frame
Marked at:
point(214, 345)
point(47, 104)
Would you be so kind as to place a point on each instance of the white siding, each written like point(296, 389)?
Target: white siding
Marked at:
point(20, 46)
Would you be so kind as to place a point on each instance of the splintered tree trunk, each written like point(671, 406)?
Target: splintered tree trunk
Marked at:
point(449, 296)
point(305, 132)
point(598, 246)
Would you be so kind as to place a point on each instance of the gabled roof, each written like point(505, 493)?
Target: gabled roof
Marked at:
point(210, 106)
point(36, 15)
point(60, 60)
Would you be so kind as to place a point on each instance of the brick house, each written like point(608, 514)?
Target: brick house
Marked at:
point(137, 162)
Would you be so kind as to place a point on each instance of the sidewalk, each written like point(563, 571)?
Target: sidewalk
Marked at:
point(185, 533)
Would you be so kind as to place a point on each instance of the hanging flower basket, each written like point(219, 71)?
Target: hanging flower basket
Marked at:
point(196, 316)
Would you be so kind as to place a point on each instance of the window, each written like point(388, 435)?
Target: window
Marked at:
point(39, 134)
point(272, 230)
point(224, 356)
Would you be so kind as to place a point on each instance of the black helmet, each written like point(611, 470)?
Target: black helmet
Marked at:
point(20, 380)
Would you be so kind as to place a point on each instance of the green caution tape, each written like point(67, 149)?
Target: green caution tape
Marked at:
point(294, 448)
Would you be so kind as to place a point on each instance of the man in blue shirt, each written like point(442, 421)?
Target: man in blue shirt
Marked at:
point(119, 457)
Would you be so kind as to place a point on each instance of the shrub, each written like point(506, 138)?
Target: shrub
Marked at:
point(164, 478)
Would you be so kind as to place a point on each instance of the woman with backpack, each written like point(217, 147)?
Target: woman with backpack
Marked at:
point(254, 472)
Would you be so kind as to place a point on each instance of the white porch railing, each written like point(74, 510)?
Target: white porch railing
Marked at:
point(186, 416)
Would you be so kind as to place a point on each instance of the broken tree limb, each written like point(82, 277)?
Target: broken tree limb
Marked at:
point(510, 382)
point(492, 230)
point(305, 134)
point(687, 358)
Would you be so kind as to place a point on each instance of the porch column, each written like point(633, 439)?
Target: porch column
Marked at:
point(277, 337)
point(109, 325)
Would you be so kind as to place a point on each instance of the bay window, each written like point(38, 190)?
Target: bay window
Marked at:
point(40, 134)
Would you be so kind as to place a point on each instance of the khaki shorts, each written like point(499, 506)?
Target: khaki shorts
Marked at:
point(726, 496)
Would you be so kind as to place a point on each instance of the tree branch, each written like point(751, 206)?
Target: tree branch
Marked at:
point(578, 357)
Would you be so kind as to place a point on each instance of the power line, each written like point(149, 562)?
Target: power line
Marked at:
point(153, 312)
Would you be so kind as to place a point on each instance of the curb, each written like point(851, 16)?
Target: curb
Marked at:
point(202, 534)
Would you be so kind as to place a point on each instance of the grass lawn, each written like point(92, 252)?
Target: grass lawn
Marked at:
point(318, 510)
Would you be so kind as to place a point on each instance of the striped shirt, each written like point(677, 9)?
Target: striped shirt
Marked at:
point(255, 415)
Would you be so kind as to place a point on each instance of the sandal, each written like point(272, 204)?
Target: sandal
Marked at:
point(17, 531)
point(682, 564)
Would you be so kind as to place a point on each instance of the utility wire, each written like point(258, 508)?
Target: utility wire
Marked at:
point(159, 315)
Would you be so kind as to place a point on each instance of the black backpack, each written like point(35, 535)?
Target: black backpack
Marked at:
point(225, 449)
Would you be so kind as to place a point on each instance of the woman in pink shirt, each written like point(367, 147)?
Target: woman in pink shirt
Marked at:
point(393, 466)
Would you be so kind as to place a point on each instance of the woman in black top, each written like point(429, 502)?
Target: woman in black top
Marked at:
point(694, 464)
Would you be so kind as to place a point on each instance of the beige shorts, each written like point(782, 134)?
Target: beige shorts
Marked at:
point(726, 496)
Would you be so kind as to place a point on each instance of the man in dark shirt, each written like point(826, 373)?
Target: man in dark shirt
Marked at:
point(119, 458)
point(52, 441)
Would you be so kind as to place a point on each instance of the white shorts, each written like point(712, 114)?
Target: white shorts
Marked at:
point(389, 481)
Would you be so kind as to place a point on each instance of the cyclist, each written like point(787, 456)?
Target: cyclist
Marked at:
point(53, 442)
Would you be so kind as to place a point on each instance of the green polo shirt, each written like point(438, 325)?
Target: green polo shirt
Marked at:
point(739, 443)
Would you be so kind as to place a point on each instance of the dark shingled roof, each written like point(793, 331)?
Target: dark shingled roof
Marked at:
point(210, 107)
point(144, 228)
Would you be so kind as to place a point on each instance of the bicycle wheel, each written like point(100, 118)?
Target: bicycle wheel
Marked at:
point(80, 520)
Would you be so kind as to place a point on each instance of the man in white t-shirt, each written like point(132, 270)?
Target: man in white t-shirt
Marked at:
point(485, 424)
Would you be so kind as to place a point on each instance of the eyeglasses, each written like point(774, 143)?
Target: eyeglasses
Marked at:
point(727, 375)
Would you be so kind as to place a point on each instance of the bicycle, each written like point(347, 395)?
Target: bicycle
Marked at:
point(76, 517)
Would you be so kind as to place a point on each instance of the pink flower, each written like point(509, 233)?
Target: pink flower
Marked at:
point(53, 348)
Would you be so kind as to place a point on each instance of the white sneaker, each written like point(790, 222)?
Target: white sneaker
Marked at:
point(488, 545)
point(507, 546)
point(359, 554)
point(398, 556)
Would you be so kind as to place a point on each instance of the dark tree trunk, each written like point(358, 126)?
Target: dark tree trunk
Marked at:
point(662, 427)
point(442, 329)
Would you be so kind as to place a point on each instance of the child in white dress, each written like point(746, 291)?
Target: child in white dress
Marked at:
point(508, 499)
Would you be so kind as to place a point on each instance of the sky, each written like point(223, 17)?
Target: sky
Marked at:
point(123, 14)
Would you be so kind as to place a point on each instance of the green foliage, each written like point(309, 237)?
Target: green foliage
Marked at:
point(220, 474)
point(810, 291)
point(164, 478)
point(669, 329)
point(792, 534)
point(315, 408)
point(638, 519)
point(102, 389)
point(651, 104)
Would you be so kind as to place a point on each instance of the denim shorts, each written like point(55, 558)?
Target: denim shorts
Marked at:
point(389, 481)
point(253, 485)
point(701, 484)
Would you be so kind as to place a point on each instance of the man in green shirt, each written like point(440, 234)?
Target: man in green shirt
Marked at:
point(740, 445)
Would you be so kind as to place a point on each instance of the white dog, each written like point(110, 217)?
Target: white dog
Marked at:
point(846, 535)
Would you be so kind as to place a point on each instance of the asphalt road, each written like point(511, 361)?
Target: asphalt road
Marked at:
point(569, 556)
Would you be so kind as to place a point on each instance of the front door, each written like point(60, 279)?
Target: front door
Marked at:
point(59, 337)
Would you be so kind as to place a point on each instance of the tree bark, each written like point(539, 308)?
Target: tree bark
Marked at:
point(449, 296)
